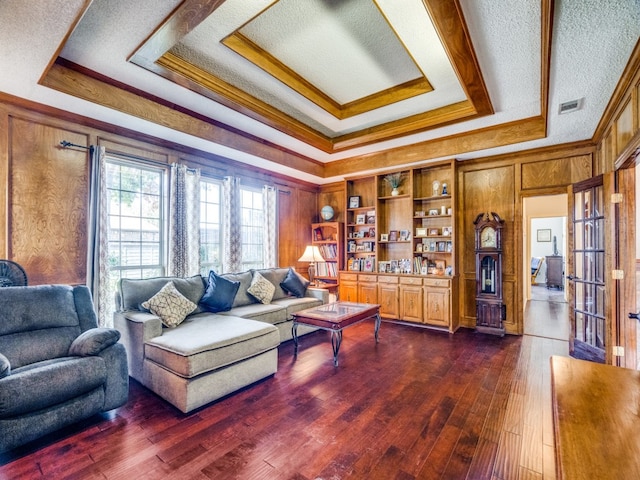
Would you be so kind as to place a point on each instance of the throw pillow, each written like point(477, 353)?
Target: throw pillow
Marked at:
point(261, 288)
point(170, 305)
point(93, 341)
point(5, 366)
point(219, 294)
point(295, 284)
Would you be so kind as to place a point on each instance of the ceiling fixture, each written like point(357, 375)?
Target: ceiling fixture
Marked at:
point(571, 106)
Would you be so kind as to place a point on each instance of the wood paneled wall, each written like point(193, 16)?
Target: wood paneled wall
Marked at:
point(44, 200)
point(499, 185)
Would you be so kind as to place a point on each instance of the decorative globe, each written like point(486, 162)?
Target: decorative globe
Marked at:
point(326, 213)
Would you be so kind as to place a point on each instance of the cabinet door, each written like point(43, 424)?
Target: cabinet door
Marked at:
point(348, 291)
point(436, 306)
point(388, 294)
point(367, 293)
point(411, 303)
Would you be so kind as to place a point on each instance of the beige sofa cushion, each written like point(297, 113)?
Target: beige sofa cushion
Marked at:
point(295, 304)
point(208, 341)
point(272, 313)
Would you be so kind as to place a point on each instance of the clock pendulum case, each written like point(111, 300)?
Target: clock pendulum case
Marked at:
point(490, 311)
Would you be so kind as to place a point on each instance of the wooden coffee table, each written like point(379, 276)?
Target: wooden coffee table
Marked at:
point(334, 317)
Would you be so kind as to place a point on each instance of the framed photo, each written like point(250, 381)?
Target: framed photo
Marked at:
point(419, 213)
point(360, 248)
point(372, 232)
point(360, 219)
point(394, 267)
point(440, 266)
point(442, 246)
point(404, 235)
point(446, 231)
point(421, 232)
point(434, 212)
point(449, 247)
point(354, 202)
point(393, 236)
point(434, 232)
point(368, 265)
point(419, 247)
point(448, 270)
point(432, 246)
point(544, 235)
point(384, 237)
point(352, 247)
point(424, 270)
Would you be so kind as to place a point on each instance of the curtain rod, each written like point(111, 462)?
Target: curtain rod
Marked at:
point(65, 144)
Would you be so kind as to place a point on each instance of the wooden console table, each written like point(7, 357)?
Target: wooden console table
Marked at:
point(596, 420)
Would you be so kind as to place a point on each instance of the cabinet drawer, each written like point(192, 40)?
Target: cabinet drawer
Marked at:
point(387, 279)
point(348, 277)
point(437, 282)
point(410, 281)
point(367, 278)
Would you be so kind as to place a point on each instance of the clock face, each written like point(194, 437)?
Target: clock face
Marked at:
point(488, 237)
point(436, 187)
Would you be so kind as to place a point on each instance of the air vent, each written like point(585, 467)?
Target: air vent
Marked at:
point(571, 106)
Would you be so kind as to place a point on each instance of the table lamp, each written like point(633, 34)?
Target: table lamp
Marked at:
point(312, 255)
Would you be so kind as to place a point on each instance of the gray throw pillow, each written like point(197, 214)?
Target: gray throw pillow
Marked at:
point(5, 366)
point(219, 294)
point(93, 341)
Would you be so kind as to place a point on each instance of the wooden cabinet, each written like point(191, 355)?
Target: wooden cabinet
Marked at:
point(411, 295)
point(555, 271)
point(367, 289)
point(327, 237)
point(348, 287)
point(437, 303)
point(388, 296)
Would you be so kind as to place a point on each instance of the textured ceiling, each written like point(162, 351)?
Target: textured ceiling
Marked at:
point(592, 42)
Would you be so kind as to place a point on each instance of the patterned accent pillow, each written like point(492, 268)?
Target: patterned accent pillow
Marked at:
point(261, 288)
point(170, 305)
point(295, 284)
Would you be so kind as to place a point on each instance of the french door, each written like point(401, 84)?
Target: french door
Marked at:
point(590, 333)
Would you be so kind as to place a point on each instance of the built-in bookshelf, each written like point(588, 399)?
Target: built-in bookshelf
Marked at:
point(327, 236)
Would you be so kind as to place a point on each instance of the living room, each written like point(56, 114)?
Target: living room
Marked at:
point(50, 237)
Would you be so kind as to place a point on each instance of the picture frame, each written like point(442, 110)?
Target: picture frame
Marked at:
point(442, 246)
point(448, 270)
point(368, 265)
point(421, 232)
point(419, 213)
point(404, 235)
point(419, 247)
point(433, 212)
point(393, 236)
point(544, 235)
point(440, 266)
point(446, 231)
point(360, 219)
point(354, 201)
point(449, 247)
point(434, 232)
point(424, 270)
point(384, 237)
point(372, 232)
point(432, 246)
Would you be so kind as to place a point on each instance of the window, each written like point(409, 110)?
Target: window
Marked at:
point(136, 221)
point(210, 226)
point(251, 228)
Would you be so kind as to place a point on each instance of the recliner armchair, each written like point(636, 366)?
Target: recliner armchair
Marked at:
point(56, 366)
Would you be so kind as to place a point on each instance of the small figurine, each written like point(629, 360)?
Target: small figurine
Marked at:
point(444, 189)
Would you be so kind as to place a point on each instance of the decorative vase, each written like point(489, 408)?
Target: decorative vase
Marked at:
point(395, 192)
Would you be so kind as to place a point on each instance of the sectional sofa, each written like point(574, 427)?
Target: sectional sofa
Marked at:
point(228, 341)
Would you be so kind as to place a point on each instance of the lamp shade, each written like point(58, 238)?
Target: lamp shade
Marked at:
point(311, 254)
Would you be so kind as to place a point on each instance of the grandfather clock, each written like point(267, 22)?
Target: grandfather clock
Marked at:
point(490, 311)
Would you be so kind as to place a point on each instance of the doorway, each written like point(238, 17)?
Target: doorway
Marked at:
point(545, 250)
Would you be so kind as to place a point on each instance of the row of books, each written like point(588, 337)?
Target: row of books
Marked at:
point(329, 252)
point(329, 269)
point(367, 264)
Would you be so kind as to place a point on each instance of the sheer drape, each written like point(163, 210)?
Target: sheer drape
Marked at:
point(232, 258)
point(98, 275)
point(184, 222)
point(269, 202)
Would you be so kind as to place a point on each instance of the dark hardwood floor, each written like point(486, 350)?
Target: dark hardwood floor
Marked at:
point(419, 405)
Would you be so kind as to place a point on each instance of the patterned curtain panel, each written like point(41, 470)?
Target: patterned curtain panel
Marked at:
point(232, 248)
point(269, 197)
point(184, 222)
point(102, 288)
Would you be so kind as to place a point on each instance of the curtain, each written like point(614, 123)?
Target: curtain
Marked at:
point(232, 258)
point(184, 222)
point(269, 202)
point(98, 250)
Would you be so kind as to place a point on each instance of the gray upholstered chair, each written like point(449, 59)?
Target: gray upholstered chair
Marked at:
point(56, 366)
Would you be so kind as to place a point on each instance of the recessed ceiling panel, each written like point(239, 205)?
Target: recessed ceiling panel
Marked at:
point(345, 48)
